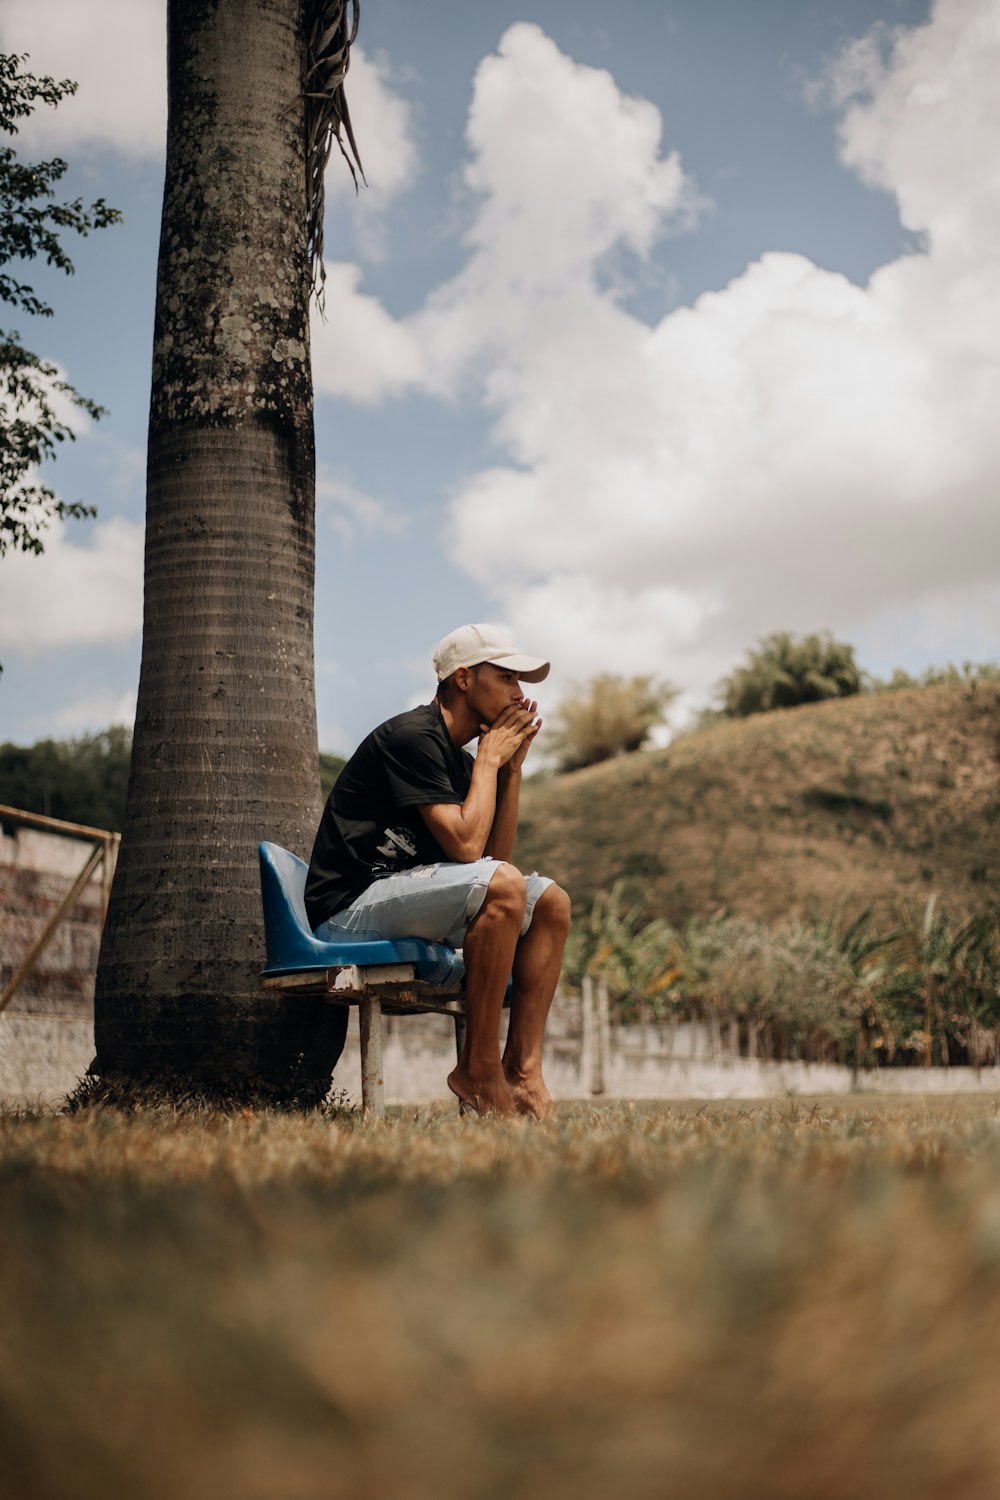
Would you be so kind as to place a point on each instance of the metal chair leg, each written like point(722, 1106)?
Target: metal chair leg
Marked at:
point(372, 1079)
point(459, 1036)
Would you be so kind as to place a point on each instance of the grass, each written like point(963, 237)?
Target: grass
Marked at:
point(797, 1299)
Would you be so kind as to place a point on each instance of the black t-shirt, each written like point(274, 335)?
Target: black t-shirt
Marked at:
point(370, 826)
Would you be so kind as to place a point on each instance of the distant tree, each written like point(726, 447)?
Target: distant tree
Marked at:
point(971, 674)
point(605, 717)
point(32, 224)
point(80, 780)
point(786, 670)
point(85, 780)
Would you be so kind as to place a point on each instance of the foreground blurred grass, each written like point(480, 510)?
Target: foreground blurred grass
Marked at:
point(796, 1301)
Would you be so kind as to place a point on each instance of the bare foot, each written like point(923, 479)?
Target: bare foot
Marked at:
point(487, 1096)
point(531, 1097)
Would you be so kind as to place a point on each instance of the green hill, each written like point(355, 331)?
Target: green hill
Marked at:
point(873, 800)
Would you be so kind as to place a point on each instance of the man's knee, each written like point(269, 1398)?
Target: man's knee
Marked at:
point(553, 909)
point(507, 894)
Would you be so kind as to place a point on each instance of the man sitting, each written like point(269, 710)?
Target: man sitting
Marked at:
point(416, 840)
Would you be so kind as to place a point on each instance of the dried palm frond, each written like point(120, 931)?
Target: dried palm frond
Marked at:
point(330, 37)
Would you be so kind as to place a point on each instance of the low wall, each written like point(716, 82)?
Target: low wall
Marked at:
point(42, 1057)
point(415, 1070)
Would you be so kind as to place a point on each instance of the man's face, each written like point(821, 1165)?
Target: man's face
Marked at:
point(493, 689)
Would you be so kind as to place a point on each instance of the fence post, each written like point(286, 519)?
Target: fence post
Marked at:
point(587, 1063)
point(602, 1051)
point(111, 844)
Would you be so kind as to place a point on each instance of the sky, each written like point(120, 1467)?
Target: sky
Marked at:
point(658, 328)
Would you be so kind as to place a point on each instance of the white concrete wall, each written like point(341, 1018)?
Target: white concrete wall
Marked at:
point(416, 1069)
point(45, 852)
point(42, 1057)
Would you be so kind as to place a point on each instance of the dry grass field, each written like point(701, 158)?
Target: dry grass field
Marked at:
point(795, 1301)
point(875, 800)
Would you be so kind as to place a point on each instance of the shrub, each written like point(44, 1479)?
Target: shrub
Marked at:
point(607, 716)
point(785, 671)
point(971, 674)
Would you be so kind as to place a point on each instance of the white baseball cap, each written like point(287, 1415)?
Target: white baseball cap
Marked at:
point(471, 645)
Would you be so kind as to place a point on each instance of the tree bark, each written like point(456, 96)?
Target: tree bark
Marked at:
point(225, 749)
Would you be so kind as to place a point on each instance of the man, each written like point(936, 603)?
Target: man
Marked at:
point(417, 840)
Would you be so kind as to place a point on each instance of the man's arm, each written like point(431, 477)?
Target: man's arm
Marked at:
point(488, 816)
point(500, 844)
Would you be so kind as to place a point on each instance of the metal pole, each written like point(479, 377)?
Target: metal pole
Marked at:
point(111, 842)
point(372, 1079)
point(587, 1035)
point(460, 1032)
point(603, 1050)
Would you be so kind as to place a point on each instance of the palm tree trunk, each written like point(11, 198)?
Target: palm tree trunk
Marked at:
point(225, 739)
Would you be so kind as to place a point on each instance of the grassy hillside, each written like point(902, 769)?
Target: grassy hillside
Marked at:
point(872, 800)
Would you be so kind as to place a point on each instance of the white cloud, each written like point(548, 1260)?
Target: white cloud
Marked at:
point(350, 510)
point(360, 352)
point(65, 412)
point(566, 174)
point(793, 451)
point(923, 116)
point(74, 595)
point(93, 711)
point(116, 52)
point(564, 162)
point(383, 128)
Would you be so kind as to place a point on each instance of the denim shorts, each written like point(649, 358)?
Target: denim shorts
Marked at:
point(436, 902)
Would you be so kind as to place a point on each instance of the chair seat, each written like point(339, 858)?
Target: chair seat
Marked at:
point(293, 948)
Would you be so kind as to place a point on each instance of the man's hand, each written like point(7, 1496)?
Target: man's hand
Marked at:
point(506, 740)
point(517, 759)
point(486, 822)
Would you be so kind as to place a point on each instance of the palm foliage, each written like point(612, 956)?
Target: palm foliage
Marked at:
point(833, 988)
point(786, 670)
point(333, 26)
point(641, 965)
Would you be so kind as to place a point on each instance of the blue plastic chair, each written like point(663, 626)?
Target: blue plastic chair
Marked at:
point(293, 948)
point(400, 975)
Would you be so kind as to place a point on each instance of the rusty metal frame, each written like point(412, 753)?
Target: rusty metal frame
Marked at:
point(105, 844)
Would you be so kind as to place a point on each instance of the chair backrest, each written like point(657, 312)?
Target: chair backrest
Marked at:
point(282, 891)
point(293, 946)
point(289, 873)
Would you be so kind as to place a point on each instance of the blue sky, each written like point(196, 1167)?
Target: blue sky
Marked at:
point(659, 327)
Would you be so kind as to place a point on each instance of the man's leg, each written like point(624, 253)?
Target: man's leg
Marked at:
point(537, 964)
point(489, 953)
